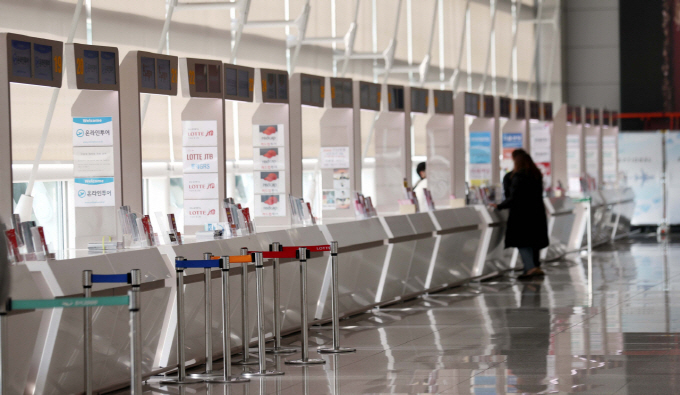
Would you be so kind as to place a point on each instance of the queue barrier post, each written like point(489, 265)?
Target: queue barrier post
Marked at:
point(207, 273)
point(245, 323)
point(181, 378)
point(226, 378)
point(131, 300)
point(335, 310)
point(278, 349)
point(304, 321)
point(134, 278)
point(259, 276)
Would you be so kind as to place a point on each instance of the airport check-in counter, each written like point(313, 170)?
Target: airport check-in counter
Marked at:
point(560, 223)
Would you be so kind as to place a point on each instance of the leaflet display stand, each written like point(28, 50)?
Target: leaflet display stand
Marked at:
point(610, 149)
point(23, 60)
point(339, 144)
point(96, 140)
point(513, 125)
point(479, 127)
point(440, 148)
point(277, 151)
point(392, 144)
point(203, 147)
point(592, 144)
point(540, 137)
point(149, 73)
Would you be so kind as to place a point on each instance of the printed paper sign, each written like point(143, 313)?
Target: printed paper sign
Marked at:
point(334, 157)
point(592, 160)
point(609, 159)
point(201, 212)
point(480, 157)
point(541, 150)
point(268, 159)
point(199, 133)
point(268, 135)
point(94, 192)
point(93, 161)
point(328, 199)
point(270, 182)
point(511, 142)
point(200, 186)
point(270, 205)
point(574, 162)
point(200, 159)
point(92, 131)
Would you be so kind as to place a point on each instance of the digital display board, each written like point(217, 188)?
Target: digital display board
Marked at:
point(94, 67)
point(91, 66)
point(157, 73)
point(312, 90)
point(238, 82)
point(163, 74)
point(505, 104)
point(443, 102)
point(109, 68)
point(419, 100)
point(274, 86)
point(488, 106)
point(596, 118)
point(202, 78)
point(369, 96)
point(520, 109)
point(578, 115)
point(395, 98)
point(34, 61)
point(547, 111)
point(615, 118)
point(534, 110)
point(589, 116)
point(148, 73)
point(571, 114)
point(341, 93)
point(606, 118)
point(472, 104)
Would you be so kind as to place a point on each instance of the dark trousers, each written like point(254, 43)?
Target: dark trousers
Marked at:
point(530, 257)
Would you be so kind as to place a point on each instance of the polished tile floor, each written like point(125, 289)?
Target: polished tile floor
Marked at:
point(546, 336)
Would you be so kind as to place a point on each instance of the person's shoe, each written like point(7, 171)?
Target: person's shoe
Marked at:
point(524, 276)
point(539, 272)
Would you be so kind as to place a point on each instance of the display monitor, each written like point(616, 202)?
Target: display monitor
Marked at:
point(34, 61)
point(419, 100)
point(589, 116)
point(238, 82)
point(90, 66)
point(202, 78)
point(571, 114)
point(148, 72)
point(157, 73)
point(534, 110)
point(109, 67)
point(443, 102)
point(578, 115)
point(341, 93)
point(395, 98)
point(94, 67)
point(596, 118)
point(520, 109)
point(505, 104)
point(615, 118)
point(472, 104)
point(488, 106)
point(547, 111)
point(369, 96)
point(274, 86)
point(312, 90)
point(606, 118)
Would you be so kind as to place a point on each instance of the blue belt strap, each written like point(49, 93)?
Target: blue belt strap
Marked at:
point(202, 264)
point(110, 278)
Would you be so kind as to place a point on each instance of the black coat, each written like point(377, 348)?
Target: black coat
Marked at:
point(527, 222)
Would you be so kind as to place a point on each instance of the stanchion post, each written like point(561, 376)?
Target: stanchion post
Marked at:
point(87, 332)
point(589, 231)
point(276, 246)
point(3, 350)
point(259, 277)
point(245, 324)
point(304, 321)
point(181, 358)
point(335, 309)
point(207, 273)
point(226, 378)
point(135, 343)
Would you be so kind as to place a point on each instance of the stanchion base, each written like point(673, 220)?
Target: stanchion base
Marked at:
point(281, 350)
point(246, 363)
point(302, 362)
point(262, 374)
point(206, 375)
point(229, 380)
point(177, 381)
point(339, 350)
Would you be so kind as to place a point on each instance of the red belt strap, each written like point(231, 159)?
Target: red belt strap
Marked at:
point(278, 254)
point(319, 248)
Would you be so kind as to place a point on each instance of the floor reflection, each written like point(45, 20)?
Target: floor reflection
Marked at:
point(508, 337)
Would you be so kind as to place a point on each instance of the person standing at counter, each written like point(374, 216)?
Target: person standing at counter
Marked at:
point(527, 228)
point(421, 184)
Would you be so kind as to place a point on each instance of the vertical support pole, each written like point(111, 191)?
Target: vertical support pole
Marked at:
point(245, 324)
point(87, 332)
point(181, 358)
point(226, 329)
point(135, 343)
point(3, 350)
point(259, 275)
point(335, 309)
point(207, 273)
point(590, 251)
point(304, 321)
point(276, 246)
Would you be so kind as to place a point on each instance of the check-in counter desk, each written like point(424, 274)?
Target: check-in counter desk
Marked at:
point(561, 218)
point(381, 260)
point(621, 204)
point(610, 215)
point(497, 258)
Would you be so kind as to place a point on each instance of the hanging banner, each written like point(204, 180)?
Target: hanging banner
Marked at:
point(94, 192)
point(199, 133)
point(540, 150)
point(480, 158)
point(641, 164)
point(92, 131)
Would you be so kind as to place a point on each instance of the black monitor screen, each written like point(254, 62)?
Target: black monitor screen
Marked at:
point(306, 88)
point(346, 93)
point(230, 82)
point(365, 96)
point(91, 66)
point(108, 60)
point(21, 58)
point(316, 92)
point(282, 86)
point(471, 104)
point(201, 77)
point(271, 86)
point(214, 78)
point(164, 74)
point(148, 73)
point(42, 62)
point(397, 98)
point(243, 84)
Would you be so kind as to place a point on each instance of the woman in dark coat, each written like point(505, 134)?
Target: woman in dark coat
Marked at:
point(527, 228)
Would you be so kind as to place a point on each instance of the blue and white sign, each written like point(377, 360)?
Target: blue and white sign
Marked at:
point(92, 131)
point(480, 158)
point(94, 192)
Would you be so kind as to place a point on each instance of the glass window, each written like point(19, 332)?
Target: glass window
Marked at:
point(49, 210)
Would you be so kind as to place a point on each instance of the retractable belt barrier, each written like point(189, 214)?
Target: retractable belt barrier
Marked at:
point(134, 278)
point(132, 300)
